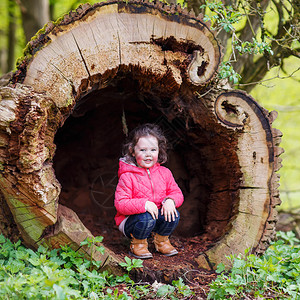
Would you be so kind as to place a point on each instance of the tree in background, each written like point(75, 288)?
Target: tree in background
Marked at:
point(19, 22)
point(35, 14)
point(11, 41)
point(256, 35)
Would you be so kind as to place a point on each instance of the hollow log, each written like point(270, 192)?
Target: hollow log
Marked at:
point(99, 72)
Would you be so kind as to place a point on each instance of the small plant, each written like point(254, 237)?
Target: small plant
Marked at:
point(178, 290)
point(226, 71)
point(131, 264)
point(166, 291)
point(91, 242)
point(276, 273)
point(255, 47)
point(182, 288)
point(71, 257)
point(221, 16)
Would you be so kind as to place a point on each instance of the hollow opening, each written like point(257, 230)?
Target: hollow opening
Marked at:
point(201, 157)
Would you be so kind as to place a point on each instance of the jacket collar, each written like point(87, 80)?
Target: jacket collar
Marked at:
point(128, 166)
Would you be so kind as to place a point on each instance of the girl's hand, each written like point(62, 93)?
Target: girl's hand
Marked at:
point(169, 210)
point(152, 209)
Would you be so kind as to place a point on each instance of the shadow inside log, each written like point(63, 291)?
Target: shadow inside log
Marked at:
point(201, 157)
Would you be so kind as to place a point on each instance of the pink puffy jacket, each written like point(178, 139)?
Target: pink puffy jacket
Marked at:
point(138, 185)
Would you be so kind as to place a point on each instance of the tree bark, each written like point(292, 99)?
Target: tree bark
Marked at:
point(35, 14)
point(103, 70)
point(11, 36)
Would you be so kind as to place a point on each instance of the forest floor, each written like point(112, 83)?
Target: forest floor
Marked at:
point(160, 268)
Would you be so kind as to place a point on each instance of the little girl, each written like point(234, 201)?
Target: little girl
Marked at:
point(147, 195)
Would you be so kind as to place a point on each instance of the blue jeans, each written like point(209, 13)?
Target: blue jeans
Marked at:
point(141, 225)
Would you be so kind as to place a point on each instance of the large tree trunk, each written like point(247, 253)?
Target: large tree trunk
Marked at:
point(103, 70)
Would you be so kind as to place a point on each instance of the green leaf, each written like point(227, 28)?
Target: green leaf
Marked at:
point(96, 263)
point(165, 290)
point(2, 239)
point(14, 266)
point(220, 268)
point(127, 259)
point(42, 250)
point(98, 239)
point(231, 290)
point(22, 255)
point(35, 261)
point(93, 295)
point(101, 249)
point(59, 292)
point(83, 243)
point(182, 288)
point(137, 263)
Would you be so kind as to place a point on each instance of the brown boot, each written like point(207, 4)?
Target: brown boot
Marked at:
point(163, 245)
point(139, 248)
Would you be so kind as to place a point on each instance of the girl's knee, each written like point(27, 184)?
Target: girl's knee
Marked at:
point(145, 220)
point(143, 228)
point(150, 221)
point(146, 217)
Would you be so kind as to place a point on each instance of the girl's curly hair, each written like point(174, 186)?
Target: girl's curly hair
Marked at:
point(142, 131)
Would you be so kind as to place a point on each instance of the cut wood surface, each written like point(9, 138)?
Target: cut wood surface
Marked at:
point(253, 226)
point(99, 72)
point(107, 35)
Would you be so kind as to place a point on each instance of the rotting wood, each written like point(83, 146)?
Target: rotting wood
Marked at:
point(135, 61)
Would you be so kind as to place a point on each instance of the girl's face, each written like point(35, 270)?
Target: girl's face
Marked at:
point(146, 151)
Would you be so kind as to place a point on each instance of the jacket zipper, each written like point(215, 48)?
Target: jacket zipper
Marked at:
point(149, 175)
